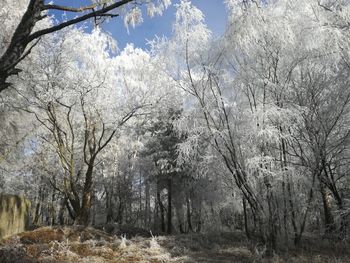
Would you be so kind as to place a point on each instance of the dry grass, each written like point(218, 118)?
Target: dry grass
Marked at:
point(83, 245)
point(74, 244)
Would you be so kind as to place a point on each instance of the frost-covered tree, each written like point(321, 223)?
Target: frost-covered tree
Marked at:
point(243, 99)
point(23, 28)
point(80, 116)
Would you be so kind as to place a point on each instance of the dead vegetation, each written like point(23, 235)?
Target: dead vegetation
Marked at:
point(83, 245)
point(77, 244)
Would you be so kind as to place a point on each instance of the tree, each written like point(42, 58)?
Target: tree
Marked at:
point(244, 102)
point(81, 116)
point(25, 34)
point(162, 149)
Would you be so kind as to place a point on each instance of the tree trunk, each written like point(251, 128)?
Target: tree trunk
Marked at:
point(189, 219)
point(179, 213)
point(38, 207)
point(246, 226)
point(120, 215)
point(178, 204)
point(37, 213)
point(169, 221)
point(293, 215)
point(52, 211)
point(109, 207)
point(199, 218)
point(61, 210)
point(161, 209)
point(140, 214)
point(327, 209)
point(147, 204)
point(84, 212)
point(338, 198)
point(19, 42)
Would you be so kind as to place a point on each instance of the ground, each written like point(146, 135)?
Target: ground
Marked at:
point(83, 245)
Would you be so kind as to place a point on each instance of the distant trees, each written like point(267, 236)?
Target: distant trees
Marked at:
point(246, 93)
point(325, 139)
point(162, 150)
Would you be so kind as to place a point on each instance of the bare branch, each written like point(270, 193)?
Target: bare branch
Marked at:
point(74, 9)
point(82, 18)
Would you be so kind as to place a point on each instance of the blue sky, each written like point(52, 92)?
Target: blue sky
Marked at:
point(214, 11)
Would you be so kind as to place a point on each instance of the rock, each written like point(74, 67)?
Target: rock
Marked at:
point(14, 214)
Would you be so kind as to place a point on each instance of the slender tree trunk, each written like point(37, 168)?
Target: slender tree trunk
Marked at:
point(129, 215)
point(156, 211)
point(189, 214)
point(169, 221)
point(37, 209)
point(120, 215)
point(63, 203)
point(338, 198)
point(271, 235)
point(285, 212)
point(343, 216)
point(140, 214)
point(327, 209)
point(303, 223)
point(109, 207)
point(179, 213)
point(291, 205)
point(199, 218)
point(161, 209)
point(147, 219)
point(283, 160)
point(53, 210)
point(246, 226)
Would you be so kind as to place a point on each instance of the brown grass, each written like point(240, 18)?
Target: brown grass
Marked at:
point(83, 245)
point(42, 235)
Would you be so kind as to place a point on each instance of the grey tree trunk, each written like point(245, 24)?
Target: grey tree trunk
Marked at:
point(169, 214)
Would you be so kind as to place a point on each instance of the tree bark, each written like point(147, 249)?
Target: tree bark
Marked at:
point(189, 214)
point(109, 207)
point(61, 210)
point(161, 209)
point(246, 226)
point(84, 212)
point(327, 209)
point(147, 204)
point(19, 42)
point(37, 209)
point(169, 214)
point(52, 210)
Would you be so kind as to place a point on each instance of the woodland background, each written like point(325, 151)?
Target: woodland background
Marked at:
point(248, 131)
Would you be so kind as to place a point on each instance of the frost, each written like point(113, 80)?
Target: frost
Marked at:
point(133, 17)
point(123, 244)
point(158, 7)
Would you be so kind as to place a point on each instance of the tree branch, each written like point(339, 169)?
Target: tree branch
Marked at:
point(82, 18)
point(74, 9)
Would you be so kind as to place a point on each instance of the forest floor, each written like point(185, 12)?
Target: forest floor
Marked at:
point(79, 245)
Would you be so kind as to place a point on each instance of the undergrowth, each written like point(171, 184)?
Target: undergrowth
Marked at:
point(83, 245)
